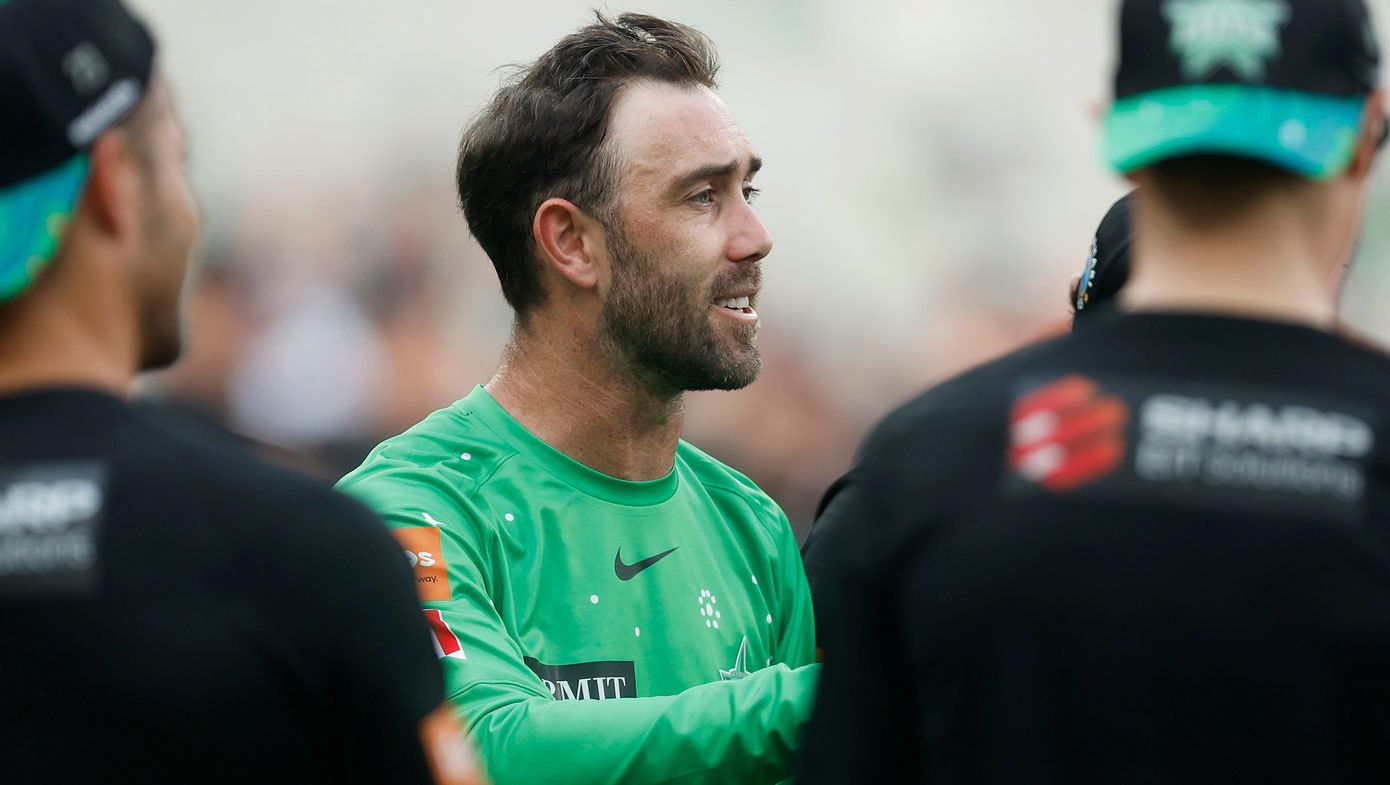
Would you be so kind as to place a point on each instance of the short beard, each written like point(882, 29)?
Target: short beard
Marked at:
point(162, 345)
point(658, 326)
point(159, 290)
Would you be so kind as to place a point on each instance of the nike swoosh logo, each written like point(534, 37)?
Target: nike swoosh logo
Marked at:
point(627, 572)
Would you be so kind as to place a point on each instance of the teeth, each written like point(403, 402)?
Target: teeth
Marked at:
point(741, 302)
point(736, 303)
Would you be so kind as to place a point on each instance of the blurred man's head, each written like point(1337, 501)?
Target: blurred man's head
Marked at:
point(1225, 107)
point(610, 186)
point(158, 242)
point(1107, 265)
point(96, 213)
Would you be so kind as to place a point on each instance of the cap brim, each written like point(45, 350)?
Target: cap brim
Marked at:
point(32, 216)
point(1309, 134)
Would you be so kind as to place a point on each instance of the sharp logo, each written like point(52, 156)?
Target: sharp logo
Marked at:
point(49, 518)
point(39, 506)
point(1237, 425)
point(1250, 448)
point(1252, 445)
point(1067, 434)
point(587, 680)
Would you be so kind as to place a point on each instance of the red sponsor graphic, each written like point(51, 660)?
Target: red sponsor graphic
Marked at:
point(446, 643)
point(1067, 434)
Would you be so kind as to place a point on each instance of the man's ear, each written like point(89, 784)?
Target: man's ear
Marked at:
point(112, 194)
point(1368, 140)
point(563, 235)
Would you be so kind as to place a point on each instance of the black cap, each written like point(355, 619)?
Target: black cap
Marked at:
point(1107, 265)
point(69, 71)
point(1283, 81)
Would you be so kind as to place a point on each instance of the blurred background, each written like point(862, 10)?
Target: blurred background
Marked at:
point(932, 183)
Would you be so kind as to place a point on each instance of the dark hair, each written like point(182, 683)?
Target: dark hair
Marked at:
point(543, 135)
point(1208, 189)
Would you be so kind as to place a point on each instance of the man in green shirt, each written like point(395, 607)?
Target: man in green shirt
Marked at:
point(610, 604)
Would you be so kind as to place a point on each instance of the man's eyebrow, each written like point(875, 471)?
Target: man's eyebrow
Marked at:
point(715, 172)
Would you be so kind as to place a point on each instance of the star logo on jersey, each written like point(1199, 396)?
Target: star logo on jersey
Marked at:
point(739, 670)
point(1240, 34)
point(1067, 434)
point(627, 572)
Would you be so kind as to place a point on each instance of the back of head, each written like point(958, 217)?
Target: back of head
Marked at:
point(1282, 82)
point(1237, 114)
point(543, 135)
point(91, 181)
point(1209, 189)
point(69, 71)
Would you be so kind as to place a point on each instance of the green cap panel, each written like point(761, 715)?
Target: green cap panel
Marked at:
point(32, 217)
point(1308, 134)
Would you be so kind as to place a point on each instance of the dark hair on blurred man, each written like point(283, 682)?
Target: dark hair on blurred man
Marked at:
point(568, 526)
point(1154, 550)
point(170, 612)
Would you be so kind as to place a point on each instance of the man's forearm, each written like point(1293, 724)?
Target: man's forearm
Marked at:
point(745, 731)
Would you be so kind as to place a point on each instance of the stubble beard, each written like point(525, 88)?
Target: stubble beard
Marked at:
point(160, 290)
point(656, 325)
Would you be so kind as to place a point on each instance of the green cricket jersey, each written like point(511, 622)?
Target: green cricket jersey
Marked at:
point(595, 630)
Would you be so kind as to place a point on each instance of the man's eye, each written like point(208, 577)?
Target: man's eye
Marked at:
point(704, 198)
point(750, 193)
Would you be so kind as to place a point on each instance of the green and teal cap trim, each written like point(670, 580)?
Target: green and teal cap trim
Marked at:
point(33, 215)
point(1309, 134)
point(69, 71)
point(1285, 82)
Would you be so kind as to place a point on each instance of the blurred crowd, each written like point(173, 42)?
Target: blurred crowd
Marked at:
point(314, 333)
point(316, 327)
point(921, 225)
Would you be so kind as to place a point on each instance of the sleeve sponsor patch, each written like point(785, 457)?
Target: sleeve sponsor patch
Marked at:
point(424, 550)
point(50, 515)
point(1235, 446)
point(603, 680)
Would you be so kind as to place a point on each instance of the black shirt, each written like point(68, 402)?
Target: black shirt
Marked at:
point(173, 611)
point(1155, 551)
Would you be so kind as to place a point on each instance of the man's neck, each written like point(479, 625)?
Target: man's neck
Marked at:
point(1261, 266)
point(562, 390)
point(41, 349)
